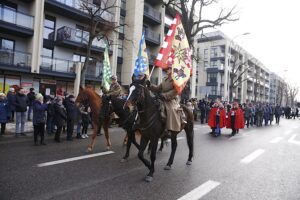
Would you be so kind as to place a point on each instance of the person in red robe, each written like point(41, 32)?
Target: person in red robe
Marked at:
point(235, 119)
point(217, 118)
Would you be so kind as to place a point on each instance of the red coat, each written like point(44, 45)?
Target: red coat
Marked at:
point(239, 119)
point(212, 118)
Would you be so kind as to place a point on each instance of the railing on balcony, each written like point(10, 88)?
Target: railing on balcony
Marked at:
point(58, 65)
point(151, 12)
point(84, 5)
point(14, 17)
point(151, 35)
point(16, 58)
point(79, 36)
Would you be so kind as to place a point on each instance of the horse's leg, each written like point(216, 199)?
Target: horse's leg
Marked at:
point(154, 145)
point(134, 141)
point(189, 130)
point(162, 139)
point(105, 127)
point(143, 146)
point(94, 135)
point(130, 136)
point(173, 151)
point(125, 140)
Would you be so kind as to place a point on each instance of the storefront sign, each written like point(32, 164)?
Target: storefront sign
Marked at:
point(48, 81)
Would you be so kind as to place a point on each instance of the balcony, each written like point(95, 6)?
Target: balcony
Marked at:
point(250, 89)
point(70, 38)
point(93, 72)
point(15, 60)
point(15, 23)
point(151, 15)
point(152, 38)
point(218, 56)
point(77, 10)
point(58, 67)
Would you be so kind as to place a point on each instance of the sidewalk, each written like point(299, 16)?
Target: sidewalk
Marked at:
point(11, 128)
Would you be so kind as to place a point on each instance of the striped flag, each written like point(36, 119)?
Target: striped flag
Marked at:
point(176, 53)
point(142, 63)
point(106, 73)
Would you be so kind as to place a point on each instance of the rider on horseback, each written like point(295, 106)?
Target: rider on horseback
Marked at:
point(114, 91)
point(168, 94)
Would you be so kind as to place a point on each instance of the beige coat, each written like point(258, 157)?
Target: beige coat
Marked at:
point(169, 92)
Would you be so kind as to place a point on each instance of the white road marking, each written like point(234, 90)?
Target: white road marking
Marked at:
point(287, 132)
point(252, 156)
point(276, 140)
point(200, 191)
point(74, 159)
point(293, 141)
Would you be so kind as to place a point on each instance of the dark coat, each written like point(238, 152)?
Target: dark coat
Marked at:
point(21, 103)
point(39, 112)
point(60, 115)
point(31, 98)
point(278, 111)
point(72, 111)
point(3, 111)
point(11, 99)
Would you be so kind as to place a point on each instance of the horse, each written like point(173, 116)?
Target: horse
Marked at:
point(152, 127)
point(88, 97)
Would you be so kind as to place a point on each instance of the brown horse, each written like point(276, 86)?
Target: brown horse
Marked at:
point(89, 97)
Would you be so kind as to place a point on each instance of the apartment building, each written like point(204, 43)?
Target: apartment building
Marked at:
point(218, 59)
point(43, 42)
point(277, 90)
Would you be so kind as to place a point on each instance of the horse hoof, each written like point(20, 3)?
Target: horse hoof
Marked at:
point(148, 178)
point(167, 167)
point(189, 162)
point(124, 160)
point(89, 150)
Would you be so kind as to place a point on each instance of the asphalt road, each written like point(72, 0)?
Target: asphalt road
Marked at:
point(258, 163)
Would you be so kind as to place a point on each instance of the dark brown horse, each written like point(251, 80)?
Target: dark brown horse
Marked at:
point(89, 97)
point(152, 127)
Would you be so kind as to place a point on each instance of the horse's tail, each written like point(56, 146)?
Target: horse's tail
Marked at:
point(189, 130)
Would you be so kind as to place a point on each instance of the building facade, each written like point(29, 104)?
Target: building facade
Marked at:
point(43, 42)
point(226, 71)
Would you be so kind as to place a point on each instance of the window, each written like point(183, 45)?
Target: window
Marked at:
point(79, 58)
point(81, 35)
point(123, 4)
point(205, 53)
point(47, 55)
point(213, 52)
point(120, 49)
point(212, 77)
point(122, 22)
point(9, 12)
point(206, 64)
point(214, 64)
point(214, 90)
point(49, 27)
point(7, 44)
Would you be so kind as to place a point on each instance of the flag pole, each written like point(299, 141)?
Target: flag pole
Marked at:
point(151, 72)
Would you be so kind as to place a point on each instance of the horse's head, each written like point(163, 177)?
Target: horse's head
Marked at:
point(83, 97)
point(136, 94)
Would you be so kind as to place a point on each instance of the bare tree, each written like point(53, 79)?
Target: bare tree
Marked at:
point(238, 69)
point(292, 91)
point(281, 87)
point(194, 22)
point(101, 25)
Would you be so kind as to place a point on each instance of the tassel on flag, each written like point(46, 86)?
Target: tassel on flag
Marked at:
point(176, 53)
point(142, 64)
point(106, 73)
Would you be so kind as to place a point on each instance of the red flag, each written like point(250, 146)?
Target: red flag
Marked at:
point(175, 52)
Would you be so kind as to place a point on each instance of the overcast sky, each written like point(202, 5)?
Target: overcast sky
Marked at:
point(274, 33)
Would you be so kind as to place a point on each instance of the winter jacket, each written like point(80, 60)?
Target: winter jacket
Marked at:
point(3, 111)
point(11, 99)
point(60, 115)
point(21, 103)
point(31, 98)
point(72, 111)
point(39, 115)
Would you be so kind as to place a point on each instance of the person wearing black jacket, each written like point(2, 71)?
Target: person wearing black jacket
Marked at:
point(60, 117)
point(72, 112)
point(39, 118)
point(50, 114)
point(11, 99)
point(30, 97)
point(21, 108)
